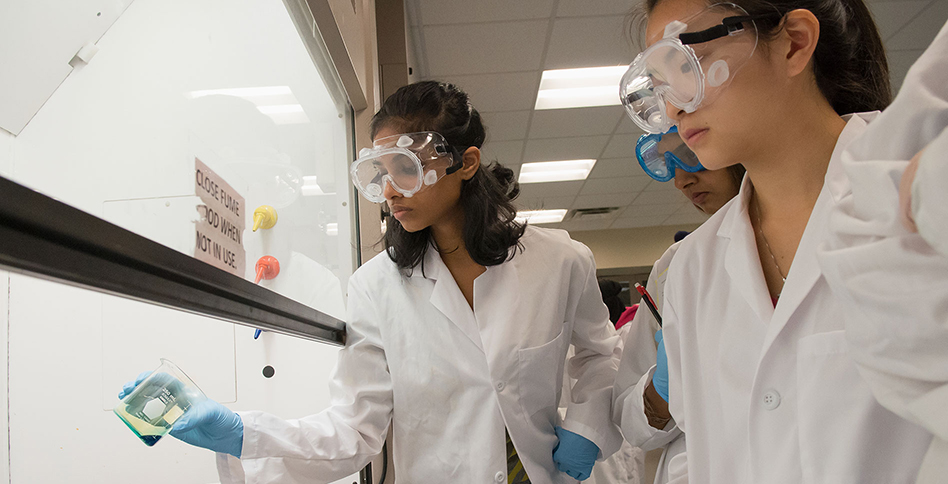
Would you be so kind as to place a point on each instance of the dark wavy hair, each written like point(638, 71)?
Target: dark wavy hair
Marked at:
point(490, 228)
point(849, 62)
point(610, 296)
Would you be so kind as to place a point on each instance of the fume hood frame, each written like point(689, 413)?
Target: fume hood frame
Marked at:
point(46, 238)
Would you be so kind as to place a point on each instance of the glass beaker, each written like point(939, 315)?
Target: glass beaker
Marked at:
point(158, 401)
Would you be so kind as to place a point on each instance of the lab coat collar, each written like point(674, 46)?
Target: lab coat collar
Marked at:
point(446, 296)
point(805, 271)
point(837, 182)
point(740, 258)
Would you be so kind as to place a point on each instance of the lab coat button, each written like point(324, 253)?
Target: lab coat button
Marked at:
point(500, 386)
point(500, 477)
point(771, 399)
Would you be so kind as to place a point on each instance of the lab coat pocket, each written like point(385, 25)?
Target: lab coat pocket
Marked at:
point(541, 377)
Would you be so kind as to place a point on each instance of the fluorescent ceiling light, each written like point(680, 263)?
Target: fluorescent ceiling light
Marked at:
point(332, 229)
point(541, 216)
point(554, 171)
point(577, 88)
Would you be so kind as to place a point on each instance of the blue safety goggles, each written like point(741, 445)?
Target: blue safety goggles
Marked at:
point(660, 154)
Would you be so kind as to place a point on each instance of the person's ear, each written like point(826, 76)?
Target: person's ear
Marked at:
point(798, 39)
point(471, 159)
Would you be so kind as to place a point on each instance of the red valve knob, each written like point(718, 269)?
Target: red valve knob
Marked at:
point(267, 268)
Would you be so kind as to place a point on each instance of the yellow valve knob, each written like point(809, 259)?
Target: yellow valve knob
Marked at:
point(264, 217)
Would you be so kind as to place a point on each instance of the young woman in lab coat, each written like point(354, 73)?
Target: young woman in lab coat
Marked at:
point(457, 333)
point(759, 376)
point(708, 190)
point(897, 324)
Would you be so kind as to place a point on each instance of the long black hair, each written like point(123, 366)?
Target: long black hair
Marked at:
point(849, 62)
point(490, 229)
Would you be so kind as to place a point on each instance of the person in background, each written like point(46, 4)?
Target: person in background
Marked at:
point(753, 361)
point(457, 333)
point(708, 190)
point(886, 253)
point(610, 297)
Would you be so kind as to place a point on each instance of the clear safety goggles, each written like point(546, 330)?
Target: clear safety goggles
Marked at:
point(691, 64)
point(660, 154)
point(407, 162)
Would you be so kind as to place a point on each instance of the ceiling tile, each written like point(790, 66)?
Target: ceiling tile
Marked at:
point(608, 200)
point(556, 149)
point(412, 13)
point(620, 146)
point(553, 123)
point(899, 64)
point(581, 225)
point(585, 8)
point(544, 203)
point(506, 153)
point(466, 11)
point(629, 184)
point(890, 17)
point(636, 210)
point(571, 44)
point(657, 186)
point(500, 47)
point(660, 198)
point(920, 32)
point(626, 126)
point(505, 126)
point(636, 222)
point(513, 91)
point(616, 167)
point(694, 217)
point(556, 189)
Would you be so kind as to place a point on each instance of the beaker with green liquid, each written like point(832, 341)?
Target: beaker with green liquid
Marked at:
point(158, 401)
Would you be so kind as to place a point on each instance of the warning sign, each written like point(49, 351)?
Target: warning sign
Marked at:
point(220, 231)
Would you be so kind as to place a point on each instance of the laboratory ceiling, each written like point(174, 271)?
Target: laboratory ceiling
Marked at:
point(496, 50)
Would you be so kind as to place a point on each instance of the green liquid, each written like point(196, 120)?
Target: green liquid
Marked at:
point(151, 412)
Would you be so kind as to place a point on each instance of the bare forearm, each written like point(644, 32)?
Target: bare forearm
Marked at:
point(656, 408)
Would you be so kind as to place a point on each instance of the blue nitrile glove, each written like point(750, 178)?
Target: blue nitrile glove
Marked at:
point(129, 386)
point(207, 424)
point(574, 454)
point(660, 377)
point(212, 426)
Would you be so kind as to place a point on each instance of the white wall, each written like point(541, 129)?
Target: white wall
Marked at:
point(6, 168)
point(120, 132)
point(629, 247)
point(4, 314)
point(6, 153)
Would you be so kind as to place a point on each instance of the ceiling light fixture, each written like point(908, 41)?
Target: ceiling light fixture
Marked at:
point(541, 216)
point(555, 171)
point(578, 88)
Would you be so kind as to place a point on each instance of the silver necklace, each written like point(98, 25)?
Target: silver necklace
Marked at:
point(760, 231)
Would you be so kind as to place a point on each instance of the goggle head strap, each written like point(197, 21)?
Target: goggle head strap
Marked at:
point(728, 26)
point(455, 155)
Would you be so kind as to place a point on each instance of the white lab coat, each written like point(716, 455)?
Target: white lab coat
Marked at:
point(635, 373)
point(451, 379)
point(771, 394)
point(894, 283)
point(929, 196)
point(627, 465)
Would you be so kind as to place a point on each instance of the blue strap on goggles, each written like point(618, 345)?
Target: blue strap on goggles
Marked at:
point(660, 154)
